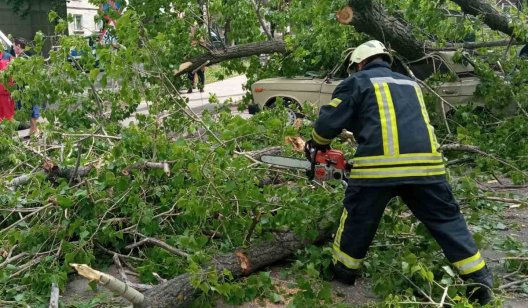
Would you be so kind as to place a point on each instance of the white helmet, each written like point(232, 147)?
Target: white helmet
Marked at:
point(367, 50)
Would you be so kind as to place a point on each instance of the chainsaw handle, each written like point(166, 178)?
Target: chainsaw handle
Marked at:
point(313, 154)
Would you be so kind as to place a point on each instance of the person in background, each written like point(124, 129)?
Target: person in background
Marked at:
point(196, 41)
point(201, 79)
point(6, 55)
point(18, 50)
point(7, 105)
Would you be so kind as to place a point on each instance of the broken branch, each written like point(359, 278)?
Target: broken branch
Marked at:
point(477, 150)
point(54, 297)
point(513, 283)
point(506, 200)
point(153, 241)
point(109, 282)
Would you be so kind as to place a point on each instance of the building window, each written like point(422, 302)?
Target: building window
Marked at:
point(98, 25)
point(77, 22)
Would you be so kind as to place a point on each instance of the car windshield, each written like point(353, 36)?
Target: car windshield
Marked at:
point(340, 70)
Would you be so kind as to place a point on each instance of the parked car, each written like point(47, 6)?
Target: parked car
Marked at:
point(216, 41)
point(317, 87)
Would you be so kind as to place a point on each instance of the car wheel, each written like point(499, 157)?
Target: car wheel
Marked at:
point(293, 109)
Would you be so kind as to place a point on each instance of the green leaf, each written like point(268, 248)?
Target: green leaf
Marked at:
point(276, 298)
point(449, 270)
point(84, 234)
point(500, 226)
point(230, 186)
point(93, 285)
point(52, 15)
point(64, 202)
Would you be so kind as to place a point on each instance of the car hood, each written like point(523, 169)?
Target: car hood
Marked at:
point(300, 83)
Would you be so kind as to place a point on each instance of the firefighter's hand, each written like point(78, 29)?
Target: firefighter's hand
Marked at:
point(311, 146)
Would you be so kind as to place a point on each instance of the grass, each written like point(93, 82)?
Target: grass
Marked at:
point(216, 73)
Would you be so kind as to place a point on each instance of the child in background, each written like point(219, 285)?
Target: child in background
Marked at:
point(18, 50)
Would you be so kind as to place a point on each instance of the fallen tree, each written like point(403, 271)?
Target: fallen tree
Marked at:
point(200, 195)
point(370, 17)
point(179, 291)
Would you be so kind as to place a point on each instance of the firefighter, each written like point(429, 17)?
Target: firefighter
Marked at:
point(396, 156)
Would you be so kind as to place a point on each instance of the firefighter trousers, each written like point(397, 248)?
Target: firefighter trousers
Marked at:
point(433, 204)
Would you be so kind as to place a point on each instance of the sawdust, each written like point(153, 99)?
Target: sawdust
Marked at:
point(297, 143)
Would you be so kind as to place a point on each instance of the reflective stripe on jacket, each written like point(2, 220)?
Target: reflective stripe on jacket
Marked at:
point(386, 112)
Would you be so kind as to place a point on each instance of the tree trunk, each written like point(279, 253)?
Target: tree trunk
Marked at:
point(371, 18)
point(234, 52)
point(492, 17)
point(179, 292)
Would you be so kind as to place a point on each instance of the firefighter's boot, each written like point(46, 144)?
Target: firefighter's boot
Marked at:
point(344, 274)
point(481, 293)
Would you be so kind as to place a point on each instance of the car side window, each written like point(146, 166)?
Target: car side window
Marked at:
point(426, 67)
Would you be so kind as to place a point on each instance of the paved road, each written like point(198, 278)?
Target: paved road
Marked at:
point(230, 88)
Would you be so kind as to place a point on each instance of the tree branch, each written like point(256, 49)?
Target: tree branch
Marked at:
point(256, 7)
point(234, 52)
point(156, 242)
point(490, 15)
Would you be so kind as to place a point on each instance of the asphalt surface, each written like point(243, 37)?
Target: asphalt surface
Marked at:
point(228, 89)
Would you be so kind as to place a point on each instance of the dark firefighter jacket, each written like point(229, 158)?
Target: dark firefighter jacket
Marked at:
point(386, 112)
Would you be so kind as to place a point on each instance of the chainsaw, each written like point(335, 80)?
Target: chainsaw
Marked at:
point(322, 166)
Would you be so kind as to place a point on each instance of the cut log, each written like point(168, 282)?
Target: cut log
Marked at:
point(344, 16)
point(179, 292)
point(239, 51)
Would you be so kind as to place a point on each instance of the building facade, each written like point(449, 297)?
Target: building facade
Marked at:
point(84, 18)
point(32, 17)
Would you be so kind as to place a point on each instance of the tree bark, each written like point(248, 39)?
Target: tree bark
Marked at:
point(234, 52)
point(370, 17)
point(179, 292)
point(491, 16)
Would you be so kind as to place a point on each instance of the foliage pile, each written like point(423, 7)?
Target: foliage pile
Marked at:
point(90, 186)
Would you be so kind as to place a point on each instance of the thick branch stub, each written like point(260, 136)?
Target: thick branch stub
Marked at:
point(345, 15)
point(111, 283)
point(234, 52)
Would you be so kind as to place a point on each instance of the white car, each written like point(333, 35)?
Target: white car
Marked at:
point(317, 88)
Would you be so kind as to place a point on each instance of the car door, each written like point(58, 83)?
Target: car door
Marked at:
point(327, 88)
point(460, 91)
